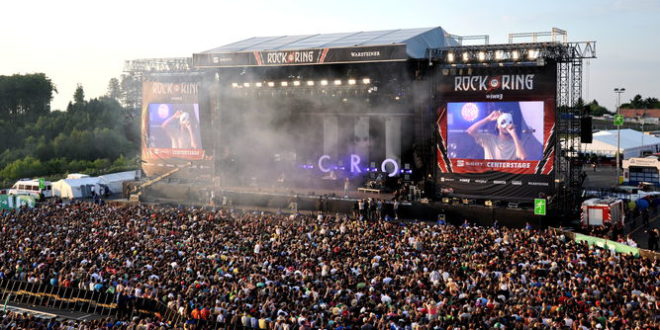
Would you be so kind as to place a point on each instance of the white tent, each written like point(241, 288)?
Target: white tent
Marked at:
point(76, 188)
point(115, 181)
point(632, 143)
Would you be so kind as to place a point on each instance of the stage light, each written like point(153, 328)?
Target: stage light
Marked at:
point(466, 57)
point(310, 83)
point(351, 81)
point(259, 84)
point(532, 54)
point(271, 84)
point(366, 81)
point(296, 83)
point(344, 100)
point(324, 83)
point(450, 57)
point(499, 55)
point(482, 56)
point(285, 83)
point(246, 84)
point(488, 203)
point(397, 98)
point(235, 85)
point(515, 55)
point(337, 82)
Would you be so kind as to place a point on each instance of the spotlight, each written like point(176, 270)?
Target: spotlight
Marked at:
point(246, 84)
point(351, 81)
point(337, 82)
point(259, 84)
point(499, 55)
point(466, 57)
point(310, 83)
point(324, 83)
point(296, 83)
point(285, 83)
point(482, 56)
point(271, 84)
point(366, 81)
point(488, 203)
point(235, 85)
point(450, 57)
point(515, 55)
point(344, 100)
point(397, 98)
point(532, 54)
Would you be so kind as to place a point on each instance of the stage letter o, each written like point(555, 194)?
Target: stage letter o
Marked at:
point(396, 167)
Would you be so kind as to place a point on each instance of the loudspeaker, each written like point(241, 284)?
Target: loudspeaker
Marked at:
point(586, 135)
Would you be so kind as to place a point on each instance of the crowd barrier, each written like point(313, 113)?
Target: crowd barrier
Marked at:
point(58, 297)
point(84, 301)
point(607, 244)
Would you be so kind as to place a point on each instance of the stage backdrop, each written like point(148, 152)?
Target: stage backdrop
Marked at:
point(496, 132)
point(171, 126)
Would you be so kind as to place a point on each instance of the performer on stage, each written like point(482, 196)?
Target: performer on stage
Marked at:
point(504, 136)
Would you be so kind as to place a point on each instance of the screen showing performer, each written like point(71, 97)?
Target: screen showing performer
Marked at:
point(174, 126)
point(495, 130)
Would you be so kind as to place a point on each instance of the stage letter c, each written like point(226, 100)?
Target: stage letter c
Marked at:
point(321, 167)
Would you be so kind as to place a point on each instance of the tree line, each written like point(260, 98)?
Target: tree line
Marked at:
point(637, 102)
point(92, 136)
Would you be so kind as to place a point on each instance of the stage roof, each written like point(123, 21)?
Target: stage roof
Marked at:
point(364, 46)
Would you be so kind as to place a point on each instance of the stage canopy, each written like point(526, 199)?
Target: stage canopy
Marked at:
point(331, 48)
point(632, 143)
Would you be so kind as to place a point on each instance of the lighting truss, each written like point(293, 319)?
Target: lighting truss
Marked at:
point(524, 54)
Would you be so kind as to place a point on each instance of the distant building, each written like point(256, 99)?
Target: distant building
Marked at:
point(649, 116)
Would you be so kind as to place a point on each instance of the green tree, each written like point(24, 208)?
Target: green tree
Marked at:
point(596, 109)
point(25, 97)
point(79, 95)
point(114, 89)
point(131, 91)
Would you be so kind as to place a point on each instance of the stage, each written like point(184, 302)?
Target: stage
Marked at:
point(327, 201)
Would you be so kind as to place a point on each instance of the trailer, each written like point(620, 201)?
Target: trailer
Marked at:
point(599, 212)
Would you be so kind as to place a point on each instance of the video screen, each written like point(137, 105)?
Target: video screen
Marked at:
point(174, 126)
point(495, 130)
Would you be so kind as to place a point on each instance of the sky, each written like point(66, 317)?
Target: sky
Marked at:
point(86, 42)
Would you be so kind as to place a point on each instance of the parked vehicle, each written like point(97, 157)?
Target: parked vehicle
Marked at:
point(32, 188)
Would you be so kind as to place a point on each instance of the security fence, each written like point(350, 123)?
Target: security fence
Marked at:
point(84, 301)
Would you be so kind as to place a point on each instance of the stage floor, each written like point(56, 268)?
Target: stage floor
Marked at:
point(352, 194)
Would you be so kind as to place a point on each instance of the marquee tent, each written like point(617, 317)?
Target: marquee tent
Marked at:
point(632, 143)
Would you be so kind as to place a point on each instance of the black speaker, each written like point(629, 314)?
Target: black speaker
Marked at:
point(586, 135)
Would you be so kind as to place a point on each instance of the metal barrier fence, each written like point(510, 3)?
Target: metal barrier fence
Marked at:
point(73, 299)
point(85, 301)
point(642, 252)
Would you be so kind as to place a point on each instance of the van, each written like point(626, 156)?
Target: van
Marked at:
point(31, 187)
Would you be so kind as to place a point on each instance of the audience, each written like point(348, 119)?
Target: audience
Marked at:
point(266, 271)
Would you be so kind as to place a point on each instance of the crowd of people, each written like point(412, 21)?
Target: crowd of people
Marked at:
point(269, 271)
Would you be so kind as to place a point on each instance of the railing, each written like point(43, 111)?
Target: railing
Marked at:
point(607, 244)
point(58, 297)
point(84, 301)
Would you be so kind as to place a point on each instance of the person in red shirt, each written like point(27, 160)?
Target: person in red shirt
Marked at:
point(195, 313)
point(205, 313)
